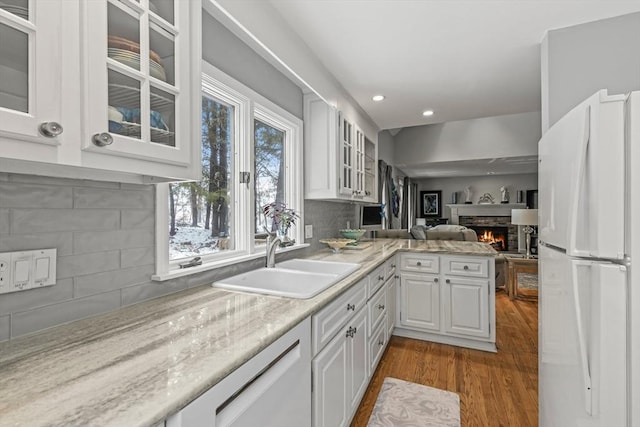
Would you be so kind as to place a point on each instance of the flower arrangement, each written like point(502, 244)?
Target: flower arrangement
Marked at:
point(283, 217)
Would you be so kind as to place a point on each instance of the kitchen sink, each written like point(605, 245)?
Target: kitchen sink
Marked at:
point(297, 278)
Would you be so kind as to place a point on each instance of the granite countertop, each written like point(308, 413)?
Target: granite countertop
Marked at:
point(140, 364)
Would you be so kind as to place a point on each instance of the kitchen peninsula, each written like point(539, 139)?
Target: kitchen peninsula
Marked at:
point(139, 365)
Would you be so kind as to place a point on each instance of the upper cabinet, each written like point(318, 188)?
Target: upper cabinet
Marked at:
point(116, 89)
point(30, 72)
point(340, 160)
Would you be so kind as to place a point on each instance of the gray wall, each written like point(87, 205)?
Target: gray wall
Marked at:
point(580, 60)
point(500, 136)
point(479, 185)
point(104, 231)
point(225, 51)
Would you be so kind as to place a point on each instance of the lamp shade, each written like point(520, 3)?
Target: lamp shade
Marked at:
point(524, 216)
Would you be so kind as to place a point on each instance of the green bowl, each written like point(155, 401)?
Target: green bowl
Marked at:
point(352, 234)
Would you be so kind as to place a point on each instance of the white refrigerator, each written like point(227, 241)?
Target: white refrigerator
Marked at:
point(589, 235)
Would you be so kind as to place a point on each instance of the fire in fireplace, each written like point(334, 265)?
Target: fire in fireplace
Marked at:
point(495, 236)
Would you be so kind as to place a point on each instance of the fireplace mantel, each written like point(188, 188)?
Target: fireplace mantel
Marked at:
point(489, 209)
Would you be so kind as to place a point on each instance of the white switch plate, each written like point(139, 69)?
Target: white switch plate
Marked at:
point(24, 270)
point(308, 231)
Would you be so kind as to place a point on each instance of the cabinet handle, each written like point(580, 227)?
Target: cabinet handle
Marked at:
point(381, 342)
point(393, 266)
point(380, 306)
point(396, 277)
point(50, 129)
point(418, 263)
point(351, 307)
point(351, 332)
point(466, 267)
point(435, 280)
point(380, 277)
point(102, 139)
point(448, 281)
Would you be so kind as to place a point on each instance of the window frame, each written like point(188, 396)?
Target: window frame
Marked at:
point(248, 106)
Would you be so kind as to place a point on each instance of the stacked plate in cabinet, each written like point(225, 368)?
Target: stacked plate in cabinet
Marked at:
point(127, 52)
point(22, 12)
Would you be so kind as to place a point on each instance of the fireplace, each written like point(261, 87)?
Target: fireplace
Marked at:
point(497, 225)
point(497, 237)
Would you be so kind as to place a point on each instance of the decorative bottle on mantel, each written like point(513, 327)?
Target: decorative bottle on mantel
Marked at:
point(504, 195)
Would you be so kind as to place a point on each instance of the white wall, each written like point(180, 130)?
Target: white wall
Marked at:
point(264, 22)
point(386, 147)
point(580, 60)
point(479, 185)
point(500, 136)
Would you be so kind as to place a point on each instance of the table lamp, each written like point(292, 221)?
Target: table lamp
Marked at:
point(526, 217)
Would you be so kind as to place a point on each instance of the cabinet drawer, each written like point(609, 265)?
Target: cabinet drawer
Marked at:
point(376, 280)
point(419, 263)
point(328, 321)
point(377, 307)
point(377, 344)
point(390, 268)
point(466, 266)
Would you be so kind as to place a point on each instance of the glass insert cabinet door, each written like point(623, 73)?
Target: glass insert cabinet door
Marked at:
point(137, 72)
point(29, 78)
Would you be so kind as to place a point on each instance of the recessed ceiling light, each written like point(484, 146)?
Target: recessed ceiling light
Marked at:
point(427, 113)
point(378, 98)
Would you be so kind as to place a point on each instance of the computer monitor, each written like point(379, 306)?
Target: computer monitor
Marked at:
point(371, 217)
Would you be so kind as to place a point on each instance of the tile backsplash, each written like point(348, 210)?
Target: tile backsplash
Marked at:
point(105, 236)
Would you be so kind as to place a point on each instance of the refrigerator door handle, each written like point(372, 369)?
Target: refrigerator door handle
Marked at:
point(582, 340)
point(572, 246)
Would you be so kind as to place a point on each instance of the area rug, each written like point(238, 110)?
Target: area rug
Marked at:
point(405, 404)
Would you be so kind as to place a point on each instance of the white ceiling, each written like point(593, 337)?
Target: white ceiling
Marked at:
point(476, 167)
point(463, 59)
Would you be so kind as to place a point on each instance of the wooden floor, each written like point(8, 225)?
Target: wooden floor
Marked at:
point(495, 389)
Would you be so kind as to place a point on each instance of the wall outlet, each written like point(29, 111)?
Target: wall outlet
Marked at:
point(5, 272)
point(308, 231)
point(24, 270)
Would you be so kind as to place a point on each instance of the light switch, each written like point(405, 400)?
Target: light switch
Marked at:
point(42, 269)
point(21, 272)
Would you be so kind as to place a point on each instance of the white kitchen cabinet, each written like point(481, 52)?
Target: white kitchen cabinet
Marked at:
point(420, 301)
point(391, 303)
point(340, 374)
point(253, 394)
point(30, 79)
point(447, 299)
point(467, 303)
point(117, 80)
point(340, 160)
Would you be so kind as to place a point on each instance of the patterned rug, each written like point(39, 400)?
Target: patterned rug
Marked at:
point(405, 404)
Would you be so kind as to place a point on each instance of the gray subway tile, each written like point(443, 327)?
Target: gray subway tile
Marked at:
point(26, 322)
point(49, 220)
point(4, 176)
point(23, 242)
point(32, 298)
point(105, 198)
point(145, 291)
point(16, 195)
point(4, 221)
point(95, 241)
point(5, 327)
point(137, 256)
point(63, 182)
point(112, 280)
point(138, 218)
point(81, 264)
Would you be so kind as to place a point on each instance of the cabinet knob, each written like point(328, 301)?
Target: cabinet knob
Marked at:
point(466, 267)
point(418, 263)
point(448, 281)
point(393, 266)
point(102, 139)
point(435, 280)
point(381, 342)
point(380, 277)
point(380, 306)
point(351, 307)
point(50, 129)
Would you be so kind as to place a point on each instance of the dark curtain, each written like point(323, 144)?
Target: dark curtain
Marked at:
point(405, 204)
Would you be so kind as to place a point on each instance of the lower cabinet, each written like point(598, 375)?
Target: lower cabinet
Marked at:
point(253, 394)
point(448, 299)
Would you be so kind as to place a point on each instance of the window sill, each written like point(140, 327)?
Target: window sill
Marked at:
point(173, 274)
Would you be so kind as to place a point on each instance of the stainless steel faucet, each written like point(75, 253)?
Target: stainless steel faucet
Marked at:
point(272, 244)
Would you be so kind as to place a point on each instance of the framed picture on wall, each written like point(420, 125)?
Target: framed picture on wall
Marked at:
point(431, 203)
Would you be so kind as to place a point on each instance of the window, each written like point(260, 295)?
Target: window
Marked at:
point(251, 157)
